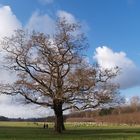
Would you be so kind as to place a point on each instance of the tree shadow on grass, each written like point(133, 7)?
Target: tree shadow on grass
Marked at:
point(22, 133)
point(103, 133)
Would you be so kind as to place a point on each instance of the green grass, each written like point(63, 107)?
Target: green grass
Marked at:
point(33, 131)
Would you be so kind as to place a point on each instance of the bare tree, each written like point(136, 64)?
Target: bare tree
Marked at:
point(135, 103)
point(52, 72)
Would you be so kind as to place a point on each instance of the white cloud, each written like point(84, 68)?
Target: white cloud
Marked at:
point(41, 23)
point(44, 2)
point(68, 16)
point(72, 19)
point(46, 24)
point(8, 21)
point(10, 106)
point(107, 58)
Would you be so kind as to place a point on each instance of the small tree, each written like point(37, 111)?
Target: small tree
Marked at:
point(135, 103)
point(52, 72)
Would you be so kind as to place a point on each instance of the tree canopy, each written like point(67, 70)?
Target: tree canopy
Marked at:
point(52, 71)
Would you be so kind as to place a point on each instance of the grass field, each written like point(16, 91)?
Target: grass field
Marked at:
point(35, 131)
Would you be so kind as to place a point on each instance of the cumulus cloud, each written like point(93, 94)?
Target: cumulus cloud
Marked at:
point(68, 16)
point(10, 107)
point(41, 23)
point(107, 58)
point(8, 21)
point(72, 19)
point(46, 24)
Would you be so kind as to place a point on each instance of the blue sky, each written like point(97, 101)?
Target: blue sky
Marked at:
point(114, 23)
point(112, 28)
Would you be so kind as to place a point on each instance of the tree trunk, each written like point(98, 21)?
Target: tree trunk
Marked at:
point(59, 121)
point(63, 126)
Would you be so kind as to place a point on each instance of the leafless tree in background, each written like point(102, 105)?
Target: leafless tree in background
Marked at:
point(135, 103)
point(52, 72)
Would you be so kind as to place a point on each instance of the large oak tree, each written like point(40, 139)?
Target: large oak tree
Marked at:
point(53, 72)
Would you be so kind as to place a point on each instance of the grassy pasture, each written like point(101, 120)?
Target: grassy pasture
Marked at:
point(75, 131)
